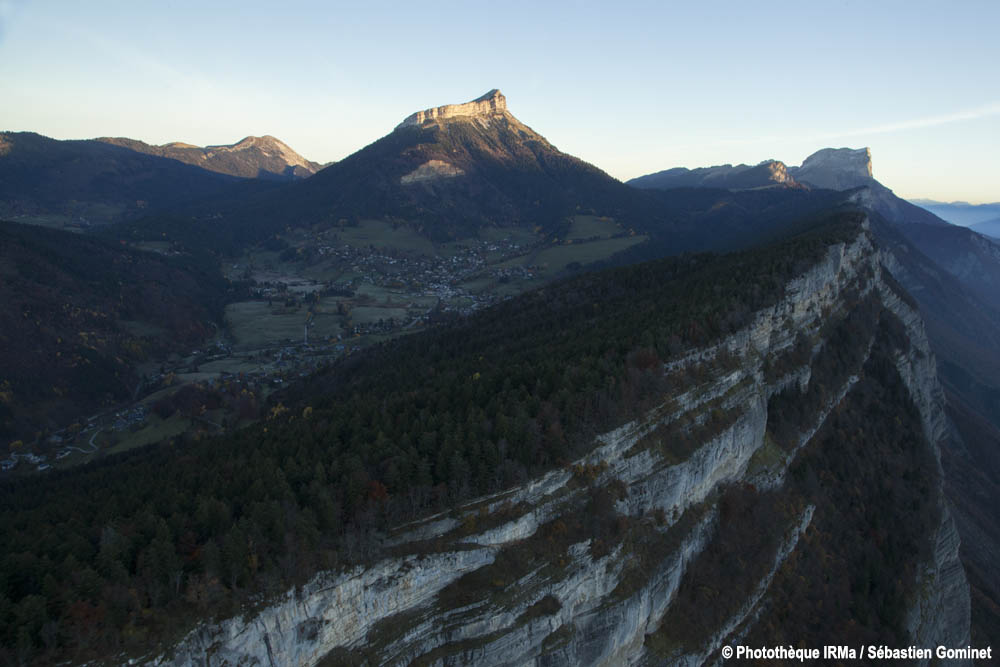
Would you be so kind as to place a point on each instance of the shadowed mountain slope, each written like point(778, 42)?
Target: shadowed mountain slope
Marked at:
point(94, 181)
point(79, 314)
point(740, 177)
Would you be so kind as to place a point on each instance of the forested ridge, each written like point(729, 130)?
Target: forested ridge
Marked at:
point(68, 300)
point(121, 553)
point(96, 181)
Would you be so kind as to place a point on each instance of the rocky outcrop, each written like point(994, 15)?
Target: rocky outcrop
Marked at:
point(432, 170)
point(591, 607)
point(836, 168)
point(329, 611)
point(490, 103)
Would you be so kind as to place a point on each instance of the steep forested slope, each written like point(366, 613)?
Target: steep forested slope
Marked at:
point(94, 181)
point(72, 308)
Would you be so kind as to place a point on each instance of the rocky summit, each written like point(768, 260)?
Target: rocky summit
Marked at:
point(490, 103)
point(836, 168)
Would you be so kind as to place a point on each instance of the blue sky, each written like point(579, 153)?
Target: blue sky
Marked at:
point(632, 87)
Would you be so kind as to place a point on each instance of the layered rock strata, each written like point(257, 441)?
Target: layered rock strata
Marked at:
point(490, 103)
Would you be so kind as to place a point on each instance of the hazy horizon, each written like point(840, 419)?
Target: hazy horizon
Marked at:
point(633, 89)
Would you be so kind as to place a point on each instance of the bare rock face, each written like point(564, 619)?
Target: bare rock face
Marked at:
point(431, 170)
point(490, 103)
point(777, 170)
point(836, 168)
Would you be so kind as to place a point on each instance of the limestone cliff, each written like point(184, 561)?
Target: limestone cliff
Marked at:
point(485, 105)
point(482, 596)
point(836, 168)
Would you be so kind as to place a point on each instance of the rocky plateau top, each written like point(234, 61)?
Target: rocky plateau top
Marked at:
point(490, 103)
point(836, 168)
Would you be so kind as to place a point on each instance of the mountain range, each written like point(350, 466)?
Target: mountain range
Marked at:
point(960, 212)
point(771, 417)
point(989, 228)
point(769, 173)
point(969, 257)
point(80, 183)
point(447, 172)
point(251, 157)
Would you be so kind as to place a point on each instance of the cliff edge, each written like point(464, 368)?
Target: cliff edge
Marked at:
point(490, 103)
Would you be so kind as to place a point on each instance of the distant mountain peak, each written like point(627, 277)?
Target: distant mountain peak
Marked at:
point(491, 103)
point(836, 168)
point(769, 173)
point(778, 171)
point(269, 146)
point(250, 157)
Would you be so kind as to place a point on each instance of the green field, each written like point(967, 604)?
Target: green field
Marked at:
point(256, 324)
point(154, 246)
point(53, 221)
point(232, 365)
point(154, 430)
point(372, 314)
point(382, 235)
point(523, 236)
point(589, 226)
point(556, 258)
point(478, 285)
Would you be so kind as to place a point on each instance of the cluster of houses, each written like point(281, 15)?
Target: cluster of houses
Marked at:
point(388, 267)
point(129, 417)
point(15, 458)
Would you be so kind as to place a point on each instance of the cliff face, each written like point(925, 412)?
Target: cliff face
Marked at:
point(940, 614)
point(489, 103)
point(836, 168)
point(582, 566)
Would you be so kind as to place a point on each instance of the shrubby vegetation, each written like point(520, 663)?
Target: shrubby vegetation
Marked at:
point(120, 553)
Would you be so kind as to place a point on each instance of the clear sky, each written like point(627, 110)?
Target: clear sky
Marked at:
point(632, 87)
